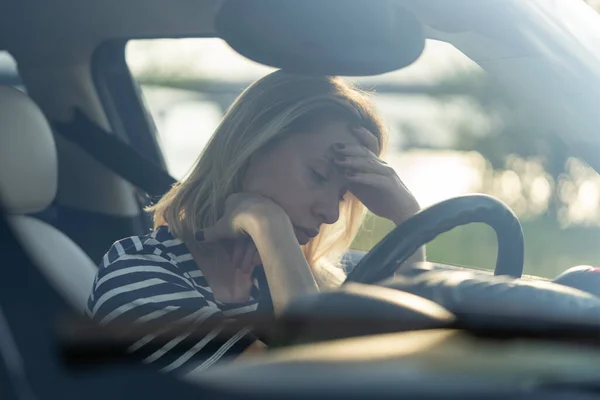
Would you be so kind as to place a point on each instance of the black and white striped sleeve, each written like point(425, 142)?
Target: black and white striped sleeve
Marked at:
point(147, 288)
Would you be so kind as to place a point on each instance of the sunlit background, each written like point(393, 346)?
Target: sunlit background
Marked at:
point(452, 132)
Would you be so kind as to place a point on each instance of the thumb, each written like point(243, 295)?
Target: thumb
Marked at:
point(210, 234)
point(219, 231)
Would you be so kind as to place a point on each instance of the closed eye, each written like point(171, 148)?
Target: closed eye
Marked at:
point(318, 177)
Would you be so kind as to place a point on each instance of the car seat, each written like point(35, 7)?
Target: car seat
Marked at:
point(28, 184)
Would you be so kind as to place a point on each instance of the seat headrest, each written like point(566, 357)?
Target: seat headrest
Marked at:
point(28, 159)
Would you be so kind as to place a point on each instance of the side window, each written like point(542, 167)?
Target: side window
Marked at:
point(187, 85)
point(452, 132)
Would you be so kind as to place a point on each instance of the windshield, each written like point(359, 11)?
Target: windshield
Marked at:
point(215, 261)
point(452, 131)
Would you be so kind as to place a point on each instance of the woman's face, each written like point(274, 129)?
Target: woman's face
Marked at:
point(298, 173)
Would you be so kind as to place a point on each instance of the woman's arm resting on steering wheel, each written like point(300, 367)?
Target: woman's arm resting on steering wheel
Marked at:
point(408, 211)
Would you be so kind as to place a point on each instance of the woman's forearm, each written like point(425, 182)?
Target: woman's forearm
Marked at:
point(418, 256)
point(287, 271)
point(407, 212)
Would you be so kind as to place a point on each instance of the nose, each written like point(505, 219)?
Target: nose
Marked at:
point(328, 210)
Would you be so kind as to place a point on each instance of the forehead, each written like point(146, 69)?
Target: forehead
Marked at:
point(320, 140)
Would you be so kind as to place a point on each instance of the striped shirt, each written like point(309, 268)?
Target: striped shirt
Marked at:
point(154, 278)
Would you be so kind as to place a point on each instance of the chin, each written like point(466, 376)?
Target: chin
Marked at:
point(302, 238)
point(302, 241)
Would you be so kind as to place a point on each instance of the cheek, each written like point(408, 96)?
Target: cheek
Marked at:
point(287, 184)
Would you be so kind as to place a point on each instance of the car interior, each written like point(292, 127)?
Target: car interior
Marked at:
point(79, 161)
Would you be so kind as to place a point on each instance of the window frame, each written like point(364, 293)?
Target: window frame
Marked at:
point(123, 102)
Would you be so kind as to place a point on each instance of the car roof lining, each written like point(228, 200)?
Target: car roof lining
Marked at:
point(87, 24)
point(38, 39)
point(340, 49)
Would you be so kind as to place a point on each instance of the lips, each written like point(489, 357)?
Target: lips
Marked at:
point(312, 232)
point(304, 234)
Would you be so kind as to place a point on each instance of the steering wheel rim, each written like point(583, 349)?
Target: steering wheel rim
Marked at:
point(394, 249)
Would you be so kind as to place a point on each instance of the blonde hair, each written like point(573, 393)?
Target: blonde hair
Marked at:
point(271, 108)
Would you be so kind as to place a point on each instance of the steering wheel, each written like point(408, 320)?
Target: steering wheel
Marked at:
point(383, 260)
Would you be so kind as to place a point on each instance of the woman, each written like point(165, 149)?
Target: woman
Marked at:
point(279, 191)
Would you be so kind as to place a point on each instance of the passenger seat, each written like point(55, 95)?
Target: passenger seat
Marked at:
point(28, 184)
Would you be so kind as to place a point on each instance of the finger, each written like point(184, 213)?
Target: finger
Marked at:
point(352, 150)
point(250, 259)
point(367, 138)
point(238, 253)
point(376, 180)
point(365, 178)
point(364, 164)
point(247, 264)
point(210, 234)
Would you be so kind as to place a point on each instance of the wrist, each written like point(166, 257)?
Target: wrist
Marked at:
point(266, 217)
point(405, 213)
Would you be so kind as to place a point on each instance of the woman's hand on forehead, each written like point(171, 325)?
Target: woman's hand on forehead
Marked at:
point(361, 138)
point(372, 180)
point(366, 138)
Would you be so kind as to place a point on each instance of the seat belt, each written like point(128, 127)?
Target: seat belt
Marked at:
point(125, 161)
point(116, 155)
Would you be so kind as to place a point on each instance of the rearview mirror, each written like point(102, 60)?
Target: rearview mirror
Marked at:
point(331, 37)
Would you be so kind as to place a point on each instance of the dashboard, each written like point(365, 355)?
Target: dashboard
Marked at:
point(427, 364)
